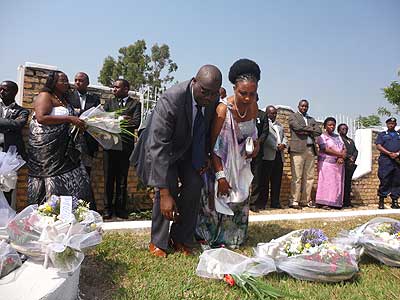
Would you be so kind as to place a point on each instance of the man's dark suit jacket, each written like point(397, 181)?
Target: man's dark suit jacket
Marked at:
point(11, 126)
point(262, 125)
point(133, 111)
point(92, 100)
point(168, 135)
point(298, 141)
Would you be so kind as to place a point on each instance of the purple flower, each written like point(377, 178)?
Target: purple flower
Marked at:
point(314, 237)
point(396, 227)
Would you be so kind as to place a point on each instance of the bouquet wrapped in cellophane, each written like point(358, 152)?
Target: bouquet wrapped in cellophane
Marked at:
point(239, 270)
point(42, 234)
point(107, 128)
point(379, 238)
point(9, 259)
point(307, 254)
point(10, 162)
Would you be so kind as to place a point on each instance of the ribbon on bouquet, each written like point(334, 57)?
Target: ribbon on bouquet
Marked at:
point(8, 181)
point(63, 244)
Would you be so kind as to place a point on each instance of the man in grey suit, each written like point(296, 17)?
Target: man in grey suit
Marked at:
point(173, 149)
point(268, 176)
point(302, 149)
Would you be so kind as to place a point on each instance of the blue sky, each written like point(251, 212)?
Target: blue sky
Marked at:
point(338, 54)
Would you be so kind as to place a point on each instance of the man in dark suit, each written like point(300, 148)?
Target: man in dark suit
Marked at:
point(173, 149)
point(116, 162)
point(302, 149)
point(82, 100)
point(12, 119)
point(258, 195)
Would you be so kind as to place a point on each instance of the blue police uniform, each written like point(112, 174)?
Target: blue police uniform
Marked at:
point(389, 169)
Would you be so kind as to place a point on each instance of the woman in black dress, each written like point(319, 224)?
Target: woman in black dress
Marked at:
point(349, 163)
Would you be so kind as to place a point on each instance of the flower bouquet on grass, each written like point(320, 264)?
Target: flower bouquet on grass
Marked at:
point(9, 259)
point(239, 270)
point(308, 255)
point(380, 238)
point(106, 127)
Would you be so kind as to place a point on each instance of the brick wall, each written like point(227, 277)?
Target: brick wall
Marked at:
point(34, 80)
point(364, 189)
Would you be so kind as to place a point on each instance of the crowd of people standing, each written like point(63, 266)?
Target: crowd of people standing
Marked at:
point(210, 158)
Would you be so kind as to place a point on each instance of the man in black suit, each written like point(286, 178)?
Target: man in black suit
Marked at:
point(82, 100)
point(173, 149)
point(116, 162)
point(258, 195)
point(12, 119)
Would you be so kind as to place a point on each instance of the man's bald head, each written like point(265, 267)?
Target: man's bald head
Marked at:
point(206, 85)
point(209, 76)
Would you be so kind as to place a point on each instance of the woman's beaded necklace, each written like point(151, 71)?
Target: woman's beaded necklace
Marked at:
point(237, 109)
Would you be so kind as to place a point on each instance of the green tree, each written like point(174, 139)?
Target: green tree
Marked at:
point(160, 61)
point(392, 95)
point(371, 120)
point(138, 67)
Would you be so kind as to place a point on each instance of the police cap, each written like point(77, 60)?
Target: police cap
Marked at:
point(391, 120)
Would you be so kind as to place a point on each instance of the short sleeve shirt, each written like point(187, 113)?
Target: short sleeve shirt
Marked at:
point(389, 140)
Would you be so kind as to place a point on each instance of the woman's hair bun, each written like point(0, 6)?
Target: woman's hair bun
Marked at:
point(245, 68)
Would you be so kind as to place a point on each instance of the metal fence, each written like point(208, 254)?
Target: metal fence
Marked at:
point(351, 122)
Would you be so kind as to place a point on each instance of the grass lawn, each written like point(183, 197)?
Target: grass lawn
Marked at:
point(122, 268)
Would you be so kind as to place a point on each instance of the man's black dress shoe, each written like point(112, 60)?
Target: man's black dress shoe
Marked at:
point(122, 214)
point(107, 215)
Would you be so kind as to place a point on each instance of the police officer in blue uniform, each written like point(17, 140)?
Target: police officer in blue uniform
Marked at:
point(388, 144)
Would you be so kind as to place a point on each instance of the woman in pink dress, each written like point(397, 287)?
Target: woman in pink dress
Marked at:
point(330, 167)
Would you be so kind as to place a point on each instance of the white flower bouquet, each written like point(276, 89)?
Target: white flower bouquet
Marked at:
point(308, 255)
point(105, 127)
point(379, 238)
point(10, 162)
point(44, 234)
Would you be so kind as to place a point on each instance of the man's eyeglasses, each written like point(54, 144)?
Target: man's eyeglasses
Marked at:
point(206, 92)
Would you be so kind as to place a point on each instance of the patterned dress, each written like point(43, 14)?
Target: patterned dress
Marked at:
point(218, 229)
point(54, 162)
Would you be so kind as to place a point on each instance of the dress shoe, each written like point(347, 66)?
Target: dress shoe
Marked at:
point(122, 214)
point(381, 204)
point(180, 247)
point(395, 204)
point(107, 215)
point(295, 206)
point(326, 207)
point(255, 209)
point(276, 206)
point(153, 249)
point(311, 205)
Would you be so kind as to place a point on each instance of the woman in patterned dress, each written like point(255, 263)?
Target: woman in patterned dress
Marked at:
point(54, 162)
point(224, 213)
